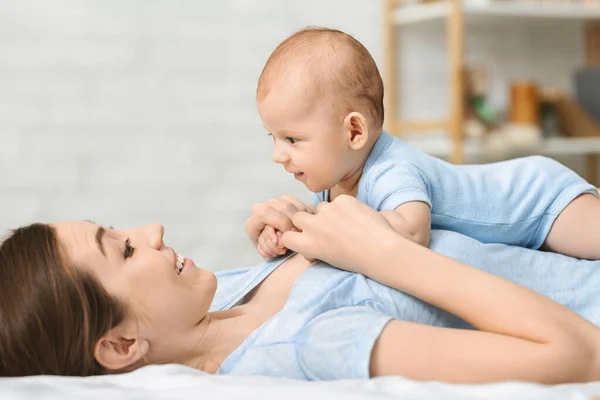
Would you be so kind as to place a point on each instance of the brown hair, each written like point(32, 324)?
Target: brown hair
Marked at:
point(51, 314)
point(336, 62)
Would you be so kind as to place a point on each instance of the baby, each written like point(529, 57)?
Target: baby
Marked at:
point(320, 96)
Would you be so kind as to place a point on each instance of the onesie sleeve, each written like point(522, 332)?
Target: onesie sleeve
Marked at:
point(337, 344)
point(390, 185)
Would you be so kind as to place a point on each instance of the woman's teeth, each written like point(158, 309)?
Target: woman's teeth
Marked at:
point(179, 264)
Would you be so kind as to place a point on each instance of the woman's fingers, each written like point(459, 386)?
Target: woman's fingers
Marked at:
point(284, 206)
point(300, 206)
point(296, 241)
point(302, 239)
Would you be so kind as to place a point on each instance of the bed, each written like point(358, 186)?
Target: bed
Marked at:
point(174, 382)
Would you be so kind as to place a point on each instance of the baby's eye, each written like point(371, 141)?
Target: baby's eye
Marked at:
point(270, 134)
point(291, 140)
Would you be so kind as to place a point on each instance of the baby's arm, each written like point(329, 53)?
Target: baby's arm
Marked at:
point(400, 188)
point(415, 224)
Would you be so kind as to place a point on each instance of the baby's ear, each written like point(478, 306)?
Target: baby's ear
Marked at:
point(357, 129)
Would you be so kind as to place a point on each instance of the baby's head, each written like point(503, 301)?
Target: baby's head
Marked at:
point(320, 96)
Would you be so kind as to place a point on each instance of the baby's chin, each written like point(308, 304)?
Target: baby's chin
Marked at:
point(316, 188)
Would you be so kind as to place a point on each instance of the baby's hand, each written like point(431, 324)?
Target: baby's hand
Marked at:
point(269, 221)
point(269, 243)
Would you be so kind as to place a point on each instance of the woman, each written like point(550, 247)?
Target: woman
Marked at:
point(79, 299)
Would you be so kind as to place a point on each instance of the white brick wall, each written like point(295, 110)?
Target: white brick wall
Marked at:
point(137, 111)
point(133, 111)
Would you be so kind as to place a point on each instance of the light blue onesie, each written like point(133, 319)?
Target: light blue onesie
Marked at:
point(328, 326)
point(512, 202)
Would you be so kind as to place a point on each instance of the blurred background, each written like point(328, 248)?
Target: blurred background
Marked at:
point(130, 112)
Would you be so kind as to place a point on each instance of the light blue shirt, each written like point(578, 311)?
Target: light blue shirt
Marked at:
point(332, 318)
point(512, 202)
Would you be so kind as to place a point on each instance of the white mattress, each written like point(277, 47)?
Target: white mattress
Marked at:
point(176, 382)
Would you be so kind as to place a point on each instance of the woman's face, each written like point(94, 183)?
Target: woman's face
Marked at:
point(165, 307)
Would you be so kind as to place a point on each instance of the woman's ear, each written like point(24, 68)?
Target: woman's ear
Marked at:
point(115, 351)
point(357, 129)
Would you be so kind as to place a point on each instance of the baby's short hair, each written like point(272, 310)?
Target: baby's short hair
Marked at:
point(336, 62)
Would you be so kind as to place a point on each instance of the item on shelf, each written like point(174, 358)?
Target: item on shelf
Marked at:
point(524, 104)
point(474, 129)
point(521, 133)
point(540, 2)
point(549, 97)
point(480, 117)
point(512, 139)
point(587, 91)
point(574, 120)
point(478, 3)
point(476, 91)
point(592, 43)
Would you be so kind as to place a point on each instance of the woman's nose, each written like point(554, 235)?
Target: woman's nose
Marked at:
point(155, 236)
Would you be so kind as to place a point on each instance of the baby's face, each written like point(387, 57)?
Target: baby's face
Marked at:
point(308, 141)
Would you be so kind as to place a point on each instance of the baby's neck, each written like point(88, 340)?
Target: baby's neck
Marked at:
point(349, 184)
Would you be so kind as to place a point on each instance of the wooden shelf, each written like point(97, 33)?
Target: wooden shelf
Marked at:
point(441, 146)
point(405, 15)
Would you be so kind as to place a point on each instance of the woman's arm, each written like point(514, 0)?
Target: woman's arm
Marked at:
point(522, 335)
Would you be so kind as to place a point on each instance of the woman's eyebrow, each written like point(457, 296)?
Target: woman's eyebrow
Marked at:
point(99, 235)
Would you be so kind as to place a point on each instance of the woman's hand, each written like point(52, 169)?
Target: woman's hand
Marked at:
point(269, 221)
point(345, 233)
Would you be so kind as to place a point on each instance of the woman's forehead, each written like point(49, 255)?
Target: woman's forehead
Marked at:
point(79, 239)
point(69, 230)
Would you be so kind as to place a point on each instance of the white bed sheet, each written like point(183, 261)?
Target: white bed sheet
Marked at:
point(175, 382)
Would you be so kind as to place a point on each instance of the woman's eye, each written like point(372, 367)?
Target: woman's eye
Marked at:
point(128, 249)
point(291, 140)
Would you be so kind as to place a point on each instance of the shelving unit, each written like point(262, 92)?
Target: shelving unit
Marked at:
point(454, 13)
point(551, 147)
point(443, 8)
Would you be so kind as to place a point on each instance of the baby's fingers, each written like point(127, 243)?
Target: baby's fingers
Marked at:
point(268, 243)
point(272, 236)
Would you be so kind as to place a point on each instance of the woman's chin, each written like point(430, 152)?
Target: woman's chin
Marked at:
point(205, 284)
